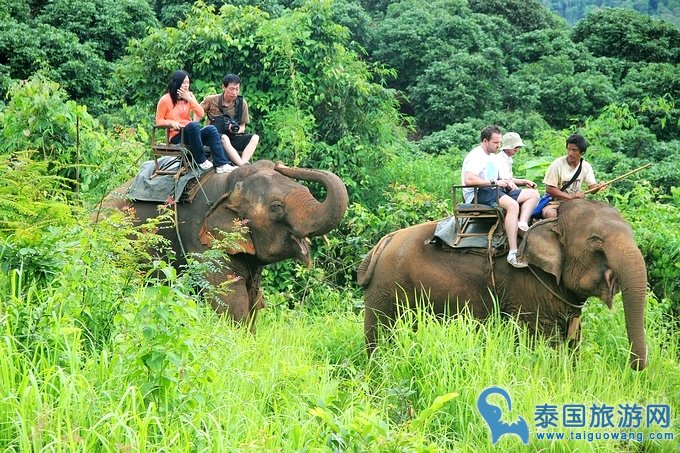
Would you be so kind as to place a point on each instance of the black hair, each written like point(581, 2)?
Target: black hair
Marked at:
point(231, 78)
point(175, 83)
point(489, 130)
point(578, 140)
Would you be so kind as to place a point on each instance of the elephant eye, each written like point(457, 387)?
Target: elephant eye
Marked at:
point(276, 209)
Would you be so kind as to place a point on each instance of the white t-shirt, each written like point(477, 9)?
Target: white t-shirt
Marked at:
point(504, 164)
point(560, 172)
point(481, 164)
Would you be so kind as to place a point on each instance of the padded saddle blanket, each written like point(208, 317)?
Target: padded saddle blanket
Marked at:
point(447, 231)
point(158, 188)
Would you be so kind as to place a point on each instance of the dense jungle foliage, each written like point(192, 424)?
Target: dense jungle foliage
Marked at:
point(574, 10)
point(388, 95)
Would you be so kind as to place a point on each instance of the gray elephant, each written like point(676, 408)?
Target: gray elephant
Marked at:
point(589, 250)
point(280, 215)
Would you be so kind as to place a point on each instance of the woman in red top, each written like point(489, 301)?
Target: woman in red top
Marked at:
point(174, 109)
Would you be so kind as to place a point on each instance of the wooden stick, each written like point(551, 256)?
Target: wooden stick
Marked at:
point(621, 177)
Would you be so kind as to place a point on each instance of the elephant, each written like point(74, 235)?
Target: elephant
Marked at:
point(280, 215)
point(589, 250)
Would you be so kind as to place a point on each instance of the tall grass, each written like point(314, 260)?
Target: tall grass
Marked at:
point(174, 377)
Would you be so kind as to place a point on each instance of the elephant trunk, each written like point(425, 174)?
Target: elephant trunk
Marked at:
point(314, 218)
point(629, 267)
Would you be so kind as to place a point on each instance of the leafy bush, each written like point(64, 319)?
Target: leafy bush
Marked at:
point(72, 144)
point(31, 200)
point(530, 47)
point(457, 138)
point(523, 15)
point(352, 15)
point(106, 25)
point(558, 90)
point(454, 89)
point(155, 328)
point(664, 175)
point(13, 8)
point(655, 88)
point(58, 55)
point(412, 33)
point(59, 273)
point(627, 34)
point(68, 278)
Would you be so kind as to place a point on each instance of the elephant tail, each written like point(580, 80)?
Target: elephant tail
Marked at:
point(365, 270)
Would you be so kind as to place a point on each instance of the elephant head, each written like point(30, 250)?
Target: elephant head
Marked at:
point(280, 213)
point(591, 251)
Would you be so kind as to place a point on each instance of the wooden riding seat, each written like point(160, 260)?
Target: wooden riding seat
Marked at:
point(476, 219)
point(161, 146)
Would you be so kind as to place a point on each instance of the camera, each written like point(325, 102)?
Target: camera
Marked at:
point(231, 125)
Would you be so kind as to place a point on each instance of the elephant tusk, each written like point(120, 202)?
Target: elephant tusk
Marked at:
point(610, 278)
point(302, 243)
point(304, 250)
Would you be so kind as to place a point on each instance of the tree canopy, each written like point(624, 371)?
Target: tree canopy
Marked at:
point(625, 34)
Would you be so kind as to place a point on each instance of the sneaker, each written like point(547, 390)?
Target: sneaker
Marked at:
point(226, 168)
point(514, 262)
point(206, 165)
point(522, 226)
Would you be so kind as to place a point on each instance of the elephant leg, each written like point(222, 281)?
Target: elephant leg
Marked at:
point(376, 321)
point(238, 297)
point(260, 301)
point(574, 338)
point(370, 330)
point(233, 301)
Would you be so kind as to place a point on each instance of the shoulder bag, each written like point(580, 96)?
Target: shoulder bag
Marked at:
point(545, 199)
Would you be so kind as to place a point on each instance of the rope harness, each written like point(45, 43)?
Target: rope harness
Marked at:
point(490, 252)
point(176, 196)
point(545, 285)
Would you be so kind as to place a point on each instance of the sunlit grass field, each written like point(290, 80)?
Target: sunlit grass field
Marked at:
point(173, 377)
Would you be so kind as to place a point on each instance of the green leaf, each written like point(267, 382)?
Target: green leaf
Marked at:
point(436, 405)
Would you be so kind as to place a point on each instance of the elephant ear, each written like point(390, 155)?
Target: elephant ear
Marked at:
point(542, 247)
point(221, 218)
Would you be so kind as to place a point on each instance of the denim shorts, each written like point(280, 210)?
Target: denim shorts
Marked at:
point(487, 195)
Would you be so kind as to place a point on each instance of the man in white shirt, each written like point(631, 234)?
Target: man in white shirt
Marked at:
point(480, 170)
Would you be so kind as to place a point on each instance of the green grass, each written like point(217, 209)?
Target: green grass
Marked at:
point(174, 377)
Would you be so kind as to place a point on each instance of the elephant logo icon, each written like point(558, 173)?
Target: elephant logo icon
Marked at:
point(492, 415)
